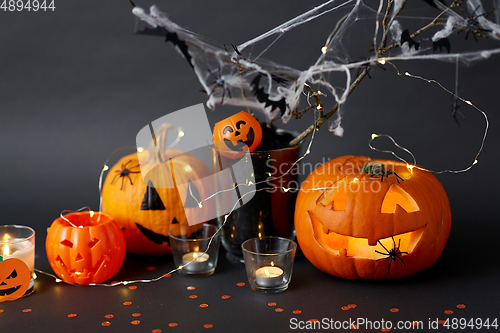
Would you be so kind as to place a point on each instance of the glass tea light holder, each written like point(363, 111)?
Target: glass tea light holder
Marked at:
point(17, 261)
point(195, 248)
point(269, 263)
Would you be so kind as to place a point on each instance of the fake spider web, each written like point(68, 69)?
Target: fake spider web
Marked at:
point(237, 75)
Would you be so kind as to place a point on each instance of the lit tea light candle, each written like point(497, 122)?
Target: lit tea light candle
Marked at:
point(195, 261)
point(269, 276)
point(19, 248)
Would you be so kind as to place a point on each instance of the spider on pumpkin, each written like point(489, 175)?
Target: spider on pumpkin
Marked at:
point(125, 172)
point(392, 254)
point(378, 169)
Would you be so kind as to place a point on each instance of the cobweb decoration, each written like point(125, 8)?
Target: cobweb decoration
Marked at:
point(363, 34)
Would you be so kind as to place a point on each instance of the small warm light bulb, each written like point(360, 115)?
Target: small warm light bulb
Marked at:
point(308, 152)
point(105, 168)
point(58, 280)
point(355, 180)
point(468, 102)
point(285, 189)
point(323, 49)
point(407, 74)
point(140, 149)
point(188, 168)
point(200, 205)
point(475, 162)
point(374, 136)
point(181, 134)
point(91, 213)
point(381, 61)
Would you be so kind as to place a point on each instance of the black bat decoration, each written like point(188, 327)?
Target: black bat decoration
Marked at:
point(443, 42)
point(172, 37)
point(405, 37)
point(263, 97)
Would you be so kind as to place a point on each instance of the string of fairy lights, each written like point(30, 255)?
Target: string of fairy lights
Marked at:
point(317, 109)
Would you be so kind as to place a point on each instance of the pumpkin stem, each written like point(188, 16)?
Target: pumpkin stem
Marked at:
point(373, 168)
point(157, 146)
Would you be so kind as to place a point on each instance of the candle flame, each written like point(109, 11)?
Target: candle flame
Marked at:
point(272, 263)
point(195, 255)
point(6, 250)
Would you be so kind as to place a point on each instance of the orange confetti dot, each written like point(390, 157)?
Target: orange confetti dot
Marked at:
point(114, 282)
point(240, 284)
point(271, 303)
point(167, 275)
point(109, 316)
point(27, 310)
point(127, 303)
point(106, 323)
point(156, 330)
point(135, 322)
point(385, 329)
point(441, 322)
point(345, 307)
point(313, 320)
point(72, 315)
point(203, 305)
point(151, 268)
point(352, 306)
point(173, 324)
point(225, 296)
point(193, 296)
point(208, 325)
point(137, 314)
point(278, 310)
point(353, 327)
point(191, 288)
point(296, 312)
point(394, 310)
point(448, 311)
point(461, 306)
point(132, 287)
point(1, 310)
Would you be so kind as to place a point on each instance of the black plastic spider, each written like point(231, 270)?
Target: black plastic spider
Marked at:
point(125, 172)
point(392, 254)
point(378, 169)
point(471, 23)
point(220, 82)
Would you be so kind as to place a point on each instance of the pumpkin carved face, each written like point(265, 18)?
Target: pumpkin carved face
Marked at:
point(236, 133)
point(91, 252)
point(352, 223)
point(14, 279)
point(148, 208)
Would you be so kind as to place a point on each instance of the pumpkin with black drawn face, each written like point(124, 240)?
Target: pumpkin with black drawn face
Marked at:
point(236, 133)
point(148, 207)
point(372, 219)
point(15, 278)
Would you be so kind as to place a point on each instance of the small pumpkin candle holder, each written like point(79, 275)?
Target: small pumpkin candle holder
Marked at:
point(17, 261)
point(195, 250)
point(269, 263)
point(85, 247)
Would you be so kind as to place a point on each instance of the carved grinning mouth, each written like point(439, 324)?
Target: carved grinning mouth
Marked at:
point(358, 247)
point(9, 291)
point(154, 236)
point(86, 273)
point(239, 144)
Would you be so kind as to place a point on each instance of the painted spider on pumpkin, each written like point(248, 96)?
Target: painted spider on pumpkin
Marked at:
point(392, 254)
point(125, 172)
point(378, 169)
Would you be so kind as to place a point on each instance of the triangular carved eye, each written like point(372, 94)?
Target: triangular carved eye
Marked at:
point(396, 196)
point(12, 275)
point(152, 200)
point(334, 195)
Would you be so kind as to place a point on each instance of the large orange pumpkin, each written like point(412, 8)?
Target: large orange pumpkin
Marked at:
point(146, 209)
point(372, 219)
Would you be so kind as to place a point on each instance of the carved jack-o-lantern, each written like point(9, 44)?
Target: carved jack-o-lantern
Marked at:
point(14, 279)
point(371, 219)
point(146, 209)
point(236, 133)
point(91, 250)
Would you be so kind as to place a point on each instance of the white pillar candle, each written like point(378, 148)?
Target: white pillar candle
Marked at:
point(269, 276)
point(18, 248)
point(195, 261)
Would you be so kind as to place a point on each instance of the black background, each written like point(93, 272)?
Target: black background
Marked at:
point(76, 84)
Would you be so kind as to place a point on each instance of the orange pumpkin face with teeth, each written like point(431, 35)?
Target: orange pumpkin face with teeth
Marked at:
point(236, 133)
point(372, 219)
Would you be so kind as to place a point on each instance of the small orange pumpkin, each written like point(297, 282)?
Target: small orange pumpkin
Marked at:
point(91, 252)
point(373, 219)
point(15, 278)
point(146, 209)
point(237, 132)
